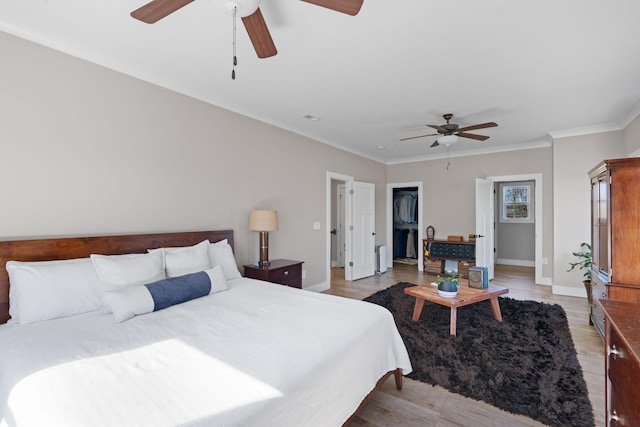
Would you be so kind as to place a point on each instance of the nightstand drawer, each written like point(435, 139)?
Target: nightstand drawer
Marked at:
point(290, 276)
point(281, 271)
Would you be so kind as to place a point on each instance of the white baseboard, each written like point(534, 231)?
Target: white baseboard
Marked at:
point(319, 287)
point(544, 281)
point(518, 262)
point(570, 291)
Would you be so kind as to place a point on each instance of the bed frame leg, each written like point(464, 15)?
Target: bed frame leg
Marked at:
point(398, 377)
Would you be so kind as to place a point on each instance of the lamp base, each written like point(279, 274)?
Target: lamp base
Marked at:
point(264, 248)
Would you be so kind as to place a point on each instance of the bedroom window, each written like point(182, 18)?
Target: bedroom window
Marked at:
point(516, 203)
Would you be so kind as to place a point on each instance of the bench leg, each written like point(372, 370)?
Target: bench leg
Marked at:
point(454, 317)
point(417, 309)
point(495, 306)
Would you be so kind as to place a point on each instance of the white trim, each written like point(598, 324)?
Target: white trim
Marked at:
point(570, 291)
point(475, 152)
point(587, 130)
point(516, 262)
point(319, 287)
point(537, 177)
point(635, 112)
point(338, 177)
point(546, 281)
point(389, 237)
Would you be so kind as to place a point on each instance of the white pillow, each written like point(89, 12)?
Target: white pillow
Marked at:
point(47, 290)
point(136, 300)
point(186, 260)
point(222, 254)
point(117, 272)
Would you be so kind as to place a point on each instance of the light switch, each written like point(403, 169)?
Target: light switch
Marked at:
point(316, 225)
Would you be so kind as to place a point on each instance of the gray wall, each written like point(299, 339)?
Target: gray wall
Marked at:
point(631, 137)
point(449, 195)
point(573, 157)
point(89, 151)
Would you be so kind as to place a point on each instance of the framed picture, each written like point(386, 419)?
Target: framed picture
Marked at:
point(430, 232)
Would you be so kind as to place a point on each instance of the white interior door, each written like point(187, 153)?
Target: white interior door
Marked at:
point(360, 230)
point(484, 224)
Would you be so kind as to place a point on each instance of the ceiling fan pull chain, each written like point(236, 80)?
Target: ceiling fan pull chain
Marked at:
point(235, 59)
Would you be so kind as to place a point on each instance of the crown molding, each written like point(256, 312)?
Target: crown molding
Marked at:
point(586, 130)
point(633, 113)
point(480, 151)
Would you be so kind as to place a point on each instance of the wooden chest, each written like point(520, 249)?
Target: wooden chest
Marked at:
point(433, 266)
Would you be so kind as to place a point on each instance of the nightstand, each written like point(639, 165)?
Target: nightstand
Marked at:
point(282, 271)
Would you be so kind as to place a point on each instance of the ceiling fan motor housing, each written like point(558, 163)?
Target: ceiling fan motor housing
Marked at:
point(243, 7)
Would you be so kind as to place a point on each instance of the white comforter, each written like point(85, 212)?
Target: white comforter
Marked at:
point(258, 354)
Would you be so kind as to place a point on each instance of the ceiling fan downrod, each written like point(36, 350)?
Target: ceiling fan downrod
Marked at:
point(235, 59)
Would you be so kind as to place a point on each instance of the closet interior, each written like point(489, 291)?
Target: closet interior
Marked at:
point(405, 225)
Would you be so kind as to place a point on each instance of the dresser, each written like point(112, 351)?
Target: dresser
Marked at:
point(622, 365)
point(282, 271)
point(615, 234)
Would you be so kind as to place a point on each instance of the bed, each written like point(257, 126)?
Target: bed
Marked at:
point(243, 352)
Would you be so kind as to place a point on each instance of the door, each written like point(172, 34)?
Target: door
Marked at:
point(484, 224)
point(360, 236)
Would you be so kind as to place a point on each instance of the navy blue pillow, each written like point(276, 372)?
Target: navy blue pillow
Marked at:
point(176, 290)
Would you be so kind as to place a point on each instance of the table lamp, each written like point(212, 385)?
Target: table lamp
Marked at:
point(263, 221)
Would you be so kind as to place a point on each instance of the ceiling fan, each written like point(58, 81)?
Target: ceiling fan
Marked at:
point(248, 10)
point(450, 132)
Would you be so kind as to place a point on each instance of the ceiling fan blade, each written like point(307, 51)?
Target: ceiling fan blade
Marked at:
point(435, 144)
point(158, 9)
point(480, 126)
point(350, 7)
point(420, 136)
point(439, 128)
point(259, 34)
point(473, 136)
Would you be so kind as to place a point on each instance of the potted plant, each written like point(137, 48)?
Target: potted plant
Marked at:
point(448, 285)
point(584, 263)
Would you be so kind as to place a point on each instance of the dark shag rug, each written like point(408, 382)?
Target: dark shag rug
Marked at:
point(526, 364)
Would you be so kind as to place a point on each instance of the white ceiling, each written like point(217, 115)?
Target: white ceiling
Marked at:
point(550, 66)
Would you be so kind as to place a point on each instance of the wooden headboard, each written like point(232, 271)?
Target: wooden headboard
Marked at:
point(82, 247)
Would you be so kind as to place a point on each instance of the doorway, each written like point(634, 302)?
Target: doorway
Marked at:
point(401, 224)
point(358, 226)
point(334, 180)
point(538, 220)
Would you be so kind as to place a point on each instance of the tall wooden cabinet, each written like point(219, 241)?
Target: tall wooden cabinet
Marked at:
point(615, 234)
point(622, 363)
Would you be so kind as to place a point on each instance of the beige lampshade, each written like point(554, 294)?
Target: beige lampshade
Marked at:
point(263, 220)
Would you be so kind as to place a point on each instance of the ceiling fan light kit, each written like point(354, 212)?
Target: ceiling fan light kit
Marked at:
point(449, 133)
point(243, 7)
point(448, 139)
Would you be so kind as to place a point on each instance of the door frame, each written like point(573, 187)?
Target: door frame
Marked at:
point(390, 188)
point(537, 177)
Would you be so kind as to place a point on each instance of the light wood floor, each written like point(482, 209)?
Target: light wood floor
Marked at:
point(419, 404)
